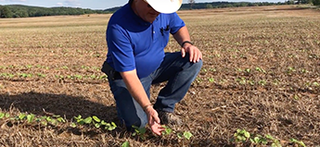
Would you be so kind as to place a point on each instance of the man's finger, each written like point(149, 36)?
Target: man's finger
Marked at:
point(183, 52)
point(191, 54)
point(199, 56)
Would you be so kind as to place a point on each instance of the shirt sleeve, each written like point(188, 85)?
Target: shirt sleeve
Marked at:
point(120, 49)
point(175, 23)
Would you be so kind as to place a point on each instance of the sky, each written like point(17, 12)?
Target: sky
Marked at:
point(98, 4)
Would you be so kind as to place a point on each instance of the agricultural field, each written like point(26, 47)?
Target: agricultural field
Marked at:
point(259, 85)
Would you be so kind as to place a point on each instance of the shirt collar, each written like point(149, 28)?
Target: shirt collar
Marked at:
point(137, 18)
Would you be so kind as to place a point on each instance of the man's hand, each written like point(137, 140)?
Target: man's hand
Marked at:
point(154, 121)
point(194, 52)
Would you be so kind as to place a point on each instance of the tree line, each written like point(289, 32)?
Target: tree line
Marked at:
point(193, 5)
point(18, 11)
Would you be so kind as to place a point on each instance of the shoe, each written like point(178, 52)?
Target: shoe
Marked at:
point(168, 118)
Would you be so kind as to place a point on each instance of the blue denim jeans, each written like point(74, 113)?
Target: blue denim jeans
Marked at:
point(178, 71)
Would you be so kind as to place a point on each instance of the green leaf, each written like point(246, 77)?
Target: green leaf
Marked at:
point(112, 127)
point(60, 119)
point(293, 140)
point(95, 118)
point(247, 134)
point(38, 120)
point(257, 139)
point(269, 137)
point(56, 116)
point(252, 140)
point(113, 124)
point(88, 120)
point(134, 134)
point(73, 125)
point(125, 144)
point(297, 142)
point(97, 125)
point(81, 122)
point(30, 118)
point(179, 135)
point(167, 130)
point(103, 123)
point(78, 117)
point(1, 115)
point(22, 116)
point(53, 121)
point(240, 138)
point(49, 119)
point(44, 123)
point(275, 145)
point(187, 135)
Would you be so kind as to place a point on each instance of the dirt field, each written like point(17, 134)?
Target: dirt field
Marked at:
point(260, 74)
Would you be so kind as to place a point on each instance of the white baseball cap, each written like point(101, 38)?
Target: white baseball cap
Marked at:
point(165, 6)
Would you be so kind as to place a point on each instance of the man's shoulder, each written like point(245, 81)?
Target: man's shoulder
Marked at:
point(121, 14)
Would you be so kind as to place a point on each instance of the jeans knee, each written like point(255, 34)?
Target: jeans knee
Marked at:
point(196, 66)
point(199, 64)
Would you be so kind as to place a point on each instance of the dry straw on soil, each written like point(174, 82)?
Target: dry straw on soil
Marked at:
point(260, 74)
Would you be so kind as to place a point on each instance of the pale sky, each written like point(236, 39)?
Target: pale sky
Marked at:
point(98, 4)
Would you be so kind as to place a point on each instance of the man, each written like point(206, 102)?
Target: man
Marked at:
point(136, 36)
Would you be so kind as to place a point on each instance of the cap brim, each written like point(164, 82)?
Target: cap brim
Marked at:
point(165, 6)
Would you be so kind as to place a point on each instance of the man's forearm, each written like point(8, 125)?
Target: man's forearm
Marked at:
point(182, 35)
point(135, 88)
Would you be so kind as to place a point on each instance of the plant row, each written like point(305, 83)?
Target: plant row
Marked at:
point(57, 120)
point(240, 137)
point(40, 75)
point(91, 121)
point(244, 138)
point(46, 67)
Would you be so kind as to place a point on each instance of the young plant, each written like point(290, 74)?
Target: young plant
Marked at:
point(140, 132)
point(186, 135)
point(275, 142)
point(167, 130)
point(126, 144)
point(95, 121)
point(259, 140)
point(241, 135)
point(295, 141)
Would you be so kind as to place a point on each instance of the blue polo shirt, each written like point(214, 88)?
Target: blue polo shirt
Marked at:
point(136, 44)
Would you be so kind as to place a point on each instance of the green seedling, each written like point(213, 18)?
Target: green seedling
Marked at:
point(22, 116)
point(126, 144)
point(259, 140)
point(4, 115)
point(30, 118)
point(295, 141)
point(140, 132)
point(241, 135)
point(167, 130)
point(187, 135)
point(275, 142)
point(260, 70)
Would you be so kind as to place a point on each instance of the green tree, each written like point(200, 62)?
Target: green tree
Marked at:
point(20, 13)
point(5, 12)
point(306, 1)
point(316, 2)
point(209, 6)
